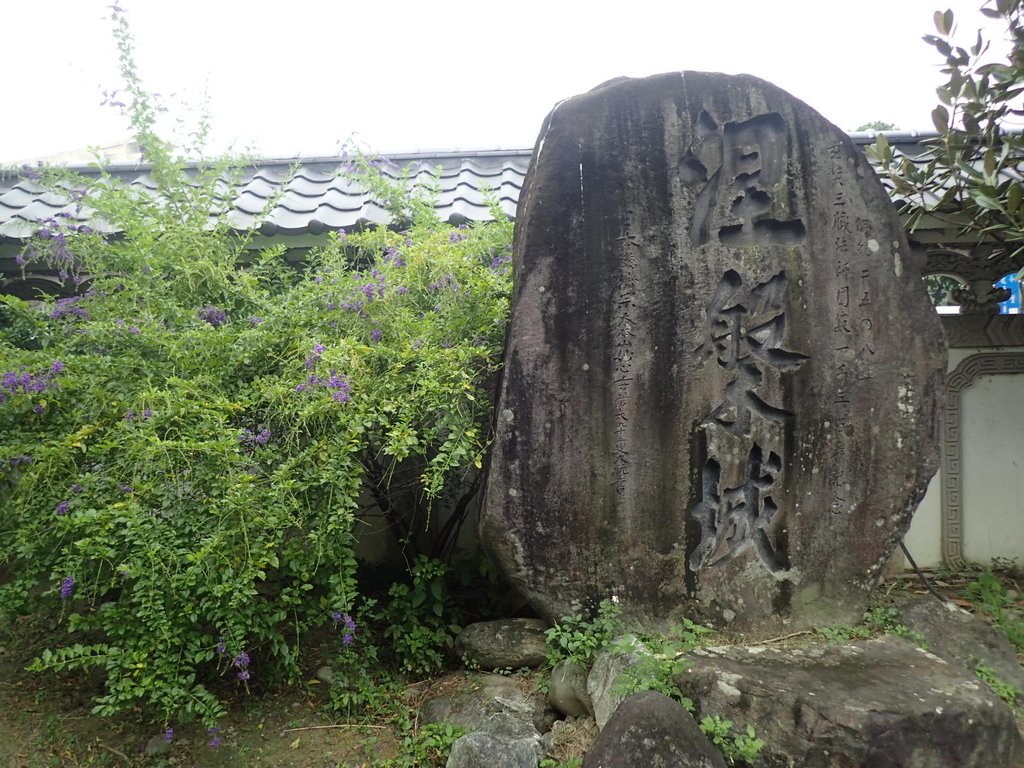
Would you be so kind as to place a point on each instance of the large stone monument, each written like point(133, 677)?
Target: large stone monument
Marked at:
point(723, 374)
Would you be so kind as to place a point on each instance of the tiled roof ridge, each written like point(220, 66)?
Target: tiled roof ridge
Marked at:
point(313, 195)
point(243, 161)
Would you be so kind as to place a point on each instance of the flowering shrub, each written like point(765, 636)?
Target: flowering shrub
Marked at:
point(186, 444)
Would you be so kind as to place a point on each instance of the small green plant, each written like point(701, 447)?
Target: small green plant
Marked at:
point(884, 619)
point(579, 639)
point(878, 620)
point(739, 748)
point(990, 596)
point(1005, 691)
point(425, 747)
point(661, 660)
point(416, 620)
point(842, 633)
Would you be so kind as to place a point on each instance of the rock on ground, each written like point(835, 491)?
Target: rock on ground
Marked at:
point(473, 705)
point(504, 644)
point(567, 689)
point(883, 703)
point(503, 741)
point(962, 638)
point(607, 666)
point(651, 730)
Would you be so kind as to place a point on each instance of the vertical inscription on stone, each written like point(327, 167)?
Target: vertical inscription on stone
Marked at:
point(744, 332)
point(852, 329)
point(624, 322)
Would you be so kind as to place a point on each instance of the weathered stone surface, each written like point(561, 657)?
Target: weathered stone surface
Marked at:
point(567, 690)
point(607, 666)
point(503, 742)
point(962, 638)
point(650, 729)
point(723, 373)
point(504, 643)
point(474, 704)
point(880, 704)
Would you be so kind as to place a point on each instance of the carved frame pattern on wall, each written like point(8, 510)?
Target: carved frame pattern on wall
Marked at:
point(965, 374)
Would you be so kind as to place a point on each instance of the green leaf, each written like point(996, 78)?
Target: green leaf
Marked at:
point(940, 119)
point(943, 22)
point(1013, 197)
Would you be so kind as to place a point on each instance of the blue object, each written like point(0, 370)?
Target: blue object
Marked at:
point(1012, 306)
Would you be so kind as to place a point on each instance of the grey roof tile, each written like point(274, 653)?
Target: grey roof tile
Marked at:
point(314, 195)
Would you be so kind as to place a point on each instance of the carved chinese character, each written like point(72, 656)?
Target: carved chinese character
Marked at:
point(736, 519)
point(742, 336)
point(754, 154)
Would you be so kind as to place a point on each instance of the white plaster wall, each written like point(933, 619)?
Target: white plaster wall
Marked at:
point(993, 487)
point(992, 436)
point(924, 539)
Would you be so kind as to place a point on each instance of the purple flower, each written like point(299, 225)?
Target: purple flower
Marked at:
point(254, 320)
point(243, 675)
point(348, 625)
point(76, 488)
point(67, 587)
point(402, 289)
point(376, 334)
point(62, 508)
point(147, 413)
point(263, 437)
point(222, 645)
point(57, 367)
point(125, 488)
point(132, 329)
point(169, 735)
point(241, 660)
point(39, 408)
point(129, 415)
point(213, 316)
point(214, 733)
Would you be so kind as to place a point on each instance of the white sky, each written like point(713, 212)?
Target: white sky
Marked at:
point(296, 77)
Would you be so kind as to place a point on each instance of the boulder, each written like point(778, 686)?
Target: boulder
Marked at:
point(722, 382)
point(962, 638)
point(474, 703)
point(567, 689)
point(649, 729)
point(883, 703)
point(503, 741)
point(604, 672)
point(504, 643)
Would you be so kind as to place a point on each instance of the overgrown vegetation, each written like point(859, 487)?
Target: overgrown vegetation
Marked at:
point(190, 443)
point(657, 660)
